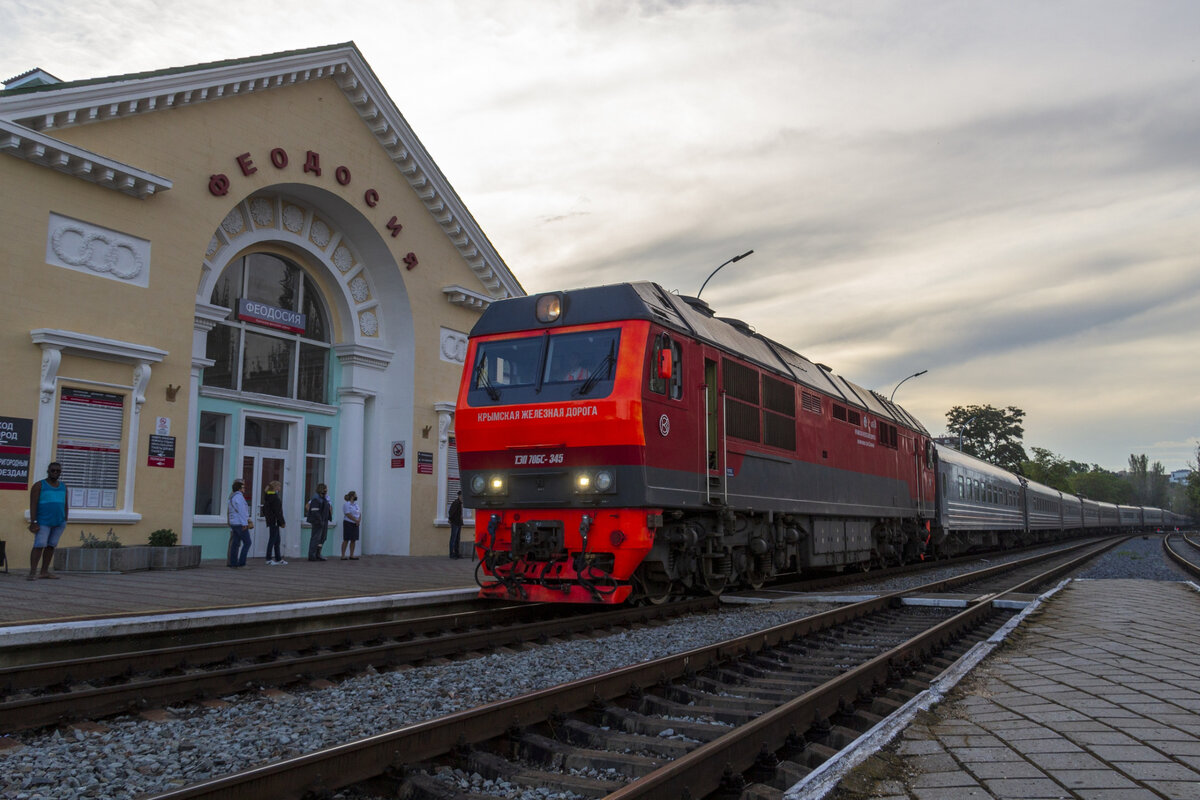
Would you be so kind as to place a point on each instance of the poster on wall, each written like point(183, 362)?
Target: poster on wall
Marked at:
point(16, 439)
point(162, 451)
point(424, 463)
point(397, 455)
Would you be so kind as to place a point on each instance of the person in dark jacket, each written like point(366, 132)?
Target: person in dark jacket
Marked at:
point(320, 514)
point(455, 525)
point(273, 513)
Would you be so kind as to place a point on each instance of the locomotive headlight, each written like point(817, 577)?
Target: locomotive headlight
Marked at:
point(604, 480)
point(583, 482)
point(496, 484)
point(549, 308)
point(478, 484)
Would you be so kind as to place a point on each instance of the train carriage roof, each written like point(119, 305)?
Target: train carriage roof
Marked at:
point(691, 316)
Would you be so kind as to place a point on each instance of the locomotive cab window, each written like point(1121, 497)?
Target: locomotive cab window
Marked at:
point(546, 368)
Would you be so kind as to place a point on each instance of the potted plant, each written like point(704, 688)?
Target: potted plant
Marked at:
point(166, 553)
point(101, 555)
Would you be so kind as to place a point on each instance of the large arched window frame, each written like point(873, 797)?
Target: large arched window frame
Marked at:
point(253, 351)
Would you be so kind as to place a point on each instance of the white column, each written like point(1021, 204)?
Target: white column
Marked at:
point(445, 412)
point(352, 408)
point(207, 317)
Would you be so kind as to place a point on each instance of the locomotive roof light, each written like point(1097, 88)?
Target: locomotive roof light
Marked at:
point(549, 308)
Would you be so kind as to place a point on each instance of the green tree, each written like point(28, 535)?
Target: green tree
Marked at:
point(1193, 488)
point(1048, 468)
point(1100, 484)
point(992, 434)
point(1148, 481)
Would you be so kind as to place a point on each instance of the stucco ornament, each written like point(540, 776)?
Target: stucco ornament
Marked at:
point(320, 234)
point(96, 251)
point(262, 211)
point(293, 218)
point(359, 289)
point(343, 259)
point(234, 223)
point(368, 323)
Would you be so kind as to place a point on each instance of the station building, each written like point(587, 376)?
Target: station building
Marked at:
point(249, 268)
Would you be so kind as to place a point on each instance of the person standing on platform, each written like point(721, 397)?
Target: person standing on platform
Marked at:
point(320, 514)
point(239, 525)
point(273, 513)
point(351, 517)
point(455, 525)
point(47, 520)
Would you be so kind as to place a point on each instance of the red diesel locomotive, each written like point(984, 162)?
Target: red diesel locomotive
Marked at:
point(621, 442)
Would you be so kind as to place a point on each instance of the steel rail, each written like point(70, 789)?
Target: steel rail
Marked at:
point(1178, 557)
point(45, 709)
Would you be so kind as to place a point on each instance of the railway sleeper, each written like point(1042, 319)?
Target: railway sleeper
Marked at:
point(654, 704)
point(778, 692)
point(495, 767)
point(726, 699)
point(634, 722)
point(544, 750)
point(584, 735)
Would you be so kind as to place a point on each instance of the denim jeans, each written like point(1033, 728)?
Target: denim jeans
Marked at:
point(273, 543)
point(238, 534)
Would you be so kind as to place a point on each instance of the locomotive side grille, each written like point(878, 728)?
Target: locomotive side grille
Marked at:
point(741, 420)
point(778, 396)
point(740, 381)
point(810, 402)
point(779, 431)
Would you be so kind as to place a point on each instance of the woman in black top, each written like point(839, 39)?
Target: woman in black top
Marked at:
point(273, 512)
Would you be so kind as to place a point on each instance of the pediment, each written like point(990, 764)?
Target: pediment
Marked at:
point(33, 115)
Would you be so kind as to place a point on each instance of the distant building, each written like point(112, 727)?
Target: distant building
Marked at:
point(1180, 475)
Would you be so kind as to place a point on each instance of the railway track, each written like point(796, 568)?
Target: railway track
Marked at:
point(1184, 550)
point(741, 718)
point(47, 693)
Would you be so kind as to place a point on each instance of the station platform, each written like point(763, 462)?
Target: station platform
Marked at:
point(1095, 696)
point(80, 596)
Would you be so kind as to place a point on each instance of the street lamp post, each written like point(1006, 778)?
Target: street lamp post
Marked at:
point(718, 269)
point(960, 432)
point(914, 375)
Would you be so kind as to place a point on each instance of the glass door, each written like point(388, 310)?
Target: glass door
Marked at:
point(264, 459)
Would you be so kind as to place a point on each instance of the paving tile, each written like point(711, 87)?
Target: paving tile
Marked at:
point(985, 770)
point(952, 793)
point(1056, 745)
point(1116, 794)
point(1030, 788)
point(1066, 761)
point(1158, 771)
point(1177, 790)
point(942, 780)
point(1092, 779)
point(918, 747)
point(1113, 754)
point(965, 754)
point(1106, 737)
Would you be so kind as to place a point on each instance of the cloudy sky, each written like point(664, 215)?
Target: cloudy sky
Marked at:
point(1004, 194)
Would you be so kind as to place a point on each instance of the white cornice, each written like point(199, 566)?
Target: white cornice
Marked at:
point(38, 148)
point(461, 296)
point(96, 347)
point(140, 94)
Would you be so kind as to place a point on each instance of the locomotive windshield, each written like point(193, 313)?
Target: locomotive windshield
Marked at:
point(540, 369)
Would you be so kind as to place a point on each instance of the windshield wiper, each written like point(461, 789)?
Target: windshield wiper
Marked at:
point(481, 379)
point(602, 370)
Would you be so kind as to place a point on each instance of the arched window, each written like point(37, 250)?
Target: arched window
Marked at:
point(277, 341)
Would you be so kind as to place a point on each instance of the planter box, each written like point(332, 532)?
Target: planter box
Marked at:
point(102, 559)
point(184, 556)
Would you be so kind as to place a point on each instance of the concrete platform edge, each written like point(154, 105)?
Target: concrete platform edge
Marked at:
point(825, 778)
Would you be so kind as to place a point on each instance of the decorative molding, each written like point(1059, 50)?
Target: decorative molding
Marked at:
point(38, 148)
point(208, 315)
point(96, 347)
point(95, 250)
point(361, 355)
point(453, 346)
point(51, 360)
point(462, 296)
point(267, 400)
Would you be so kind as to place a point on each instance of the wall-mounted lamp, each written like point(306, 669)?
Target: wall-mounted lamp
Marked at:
point(171, 392)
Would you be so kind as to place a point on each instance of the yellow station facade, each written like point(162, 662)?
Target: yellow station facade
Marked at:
point(241, 269)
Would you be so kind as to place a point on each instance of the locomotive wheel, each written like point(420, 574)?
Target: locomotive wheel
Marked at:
point(756, 572)
point(653, 584)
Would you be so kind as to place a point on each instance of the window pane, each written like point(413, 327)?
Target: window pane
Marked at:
point(317, 329)
point(267, 365)
point(316, 440)
point(272, 280)
point(208, 480)
point(314, 473)
point(222, 347)
point(266, 433)
point(313, 361)
point(212, 428)
point(229, 286)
